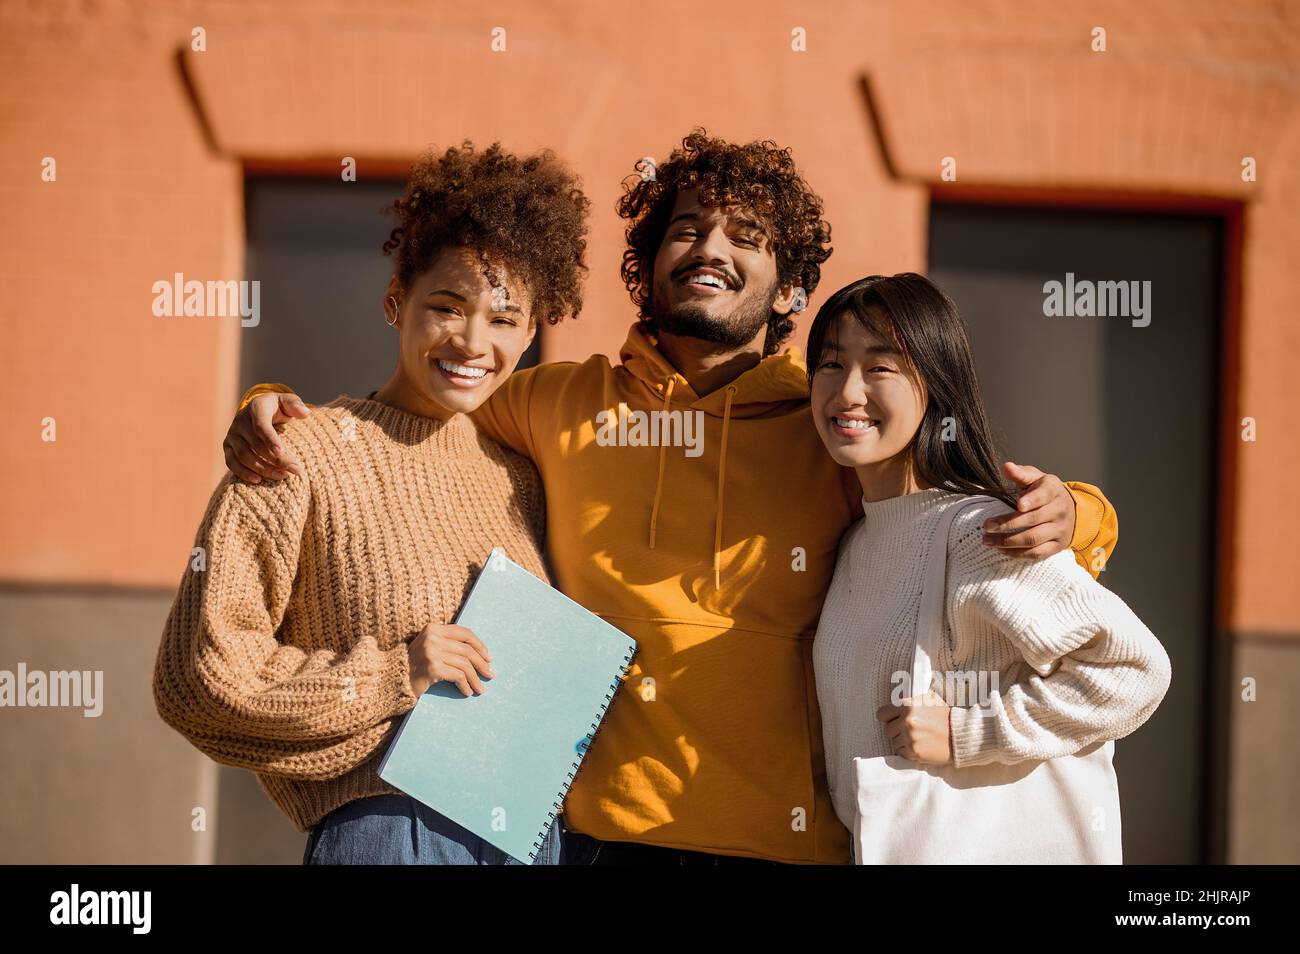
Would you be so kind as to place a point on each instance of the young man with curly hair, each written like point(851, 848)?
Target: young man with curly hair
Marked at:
point(324, 605)
point(715, 562)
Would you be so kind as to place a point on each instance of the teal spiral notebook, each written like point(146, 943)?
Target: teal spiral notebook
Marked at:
point(499, 764)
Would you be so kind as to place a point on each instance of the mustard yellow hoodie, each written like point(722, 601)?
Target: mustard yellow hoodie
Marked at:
point(715, 558)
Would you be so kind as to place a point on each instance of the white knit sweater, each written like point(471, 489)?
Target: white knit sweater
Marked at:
point(1062, 661)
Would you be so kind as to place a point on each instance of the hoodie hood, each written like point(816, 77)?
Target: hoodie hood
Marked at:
point(775, 383)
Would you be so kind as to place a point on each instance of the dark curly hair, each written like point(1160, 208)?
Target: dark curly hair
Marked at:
point(526, 213)
point(758, 176)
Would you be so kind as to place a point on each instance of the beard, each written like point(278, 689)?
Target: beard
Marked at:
point(735, 330)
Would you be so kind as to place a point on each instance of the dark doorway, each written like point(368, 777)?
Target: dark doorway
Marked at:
point(1130, 409)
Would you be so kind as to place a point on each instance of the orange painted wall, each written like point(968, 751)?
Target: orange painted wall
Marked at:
point(150, 139)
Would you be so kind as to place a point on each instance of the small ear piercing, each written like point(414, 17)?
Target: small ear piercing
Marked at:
point(800, 300)
point(391, 321)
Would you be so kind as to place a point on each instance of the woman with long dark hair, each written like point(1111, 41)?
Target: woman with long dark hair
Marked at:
point(1058, 663)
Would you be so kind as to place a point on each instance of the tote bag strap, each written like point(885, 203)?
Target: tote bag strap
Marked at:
point(934, 591)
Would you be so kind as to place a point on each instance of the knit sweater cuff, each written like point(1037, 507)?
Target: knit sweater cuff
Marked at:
point(257, 390)
point(973, 733)
point(397, 679)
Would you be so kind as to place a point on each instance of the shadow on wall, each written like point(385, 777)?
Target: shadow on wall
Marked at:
point(121, 787)
point(251, 830)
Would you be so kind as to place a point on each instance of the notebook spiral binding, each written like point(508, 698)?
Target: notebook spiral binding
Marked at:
point(577, 763)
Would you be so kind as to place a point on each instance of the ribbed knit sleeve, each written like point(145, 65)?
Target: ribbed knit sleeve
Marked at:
point(237, 692)
point(528, 487)
point(1092, 671)
point(506, 416)
point(1096, 526)
point(260, 389)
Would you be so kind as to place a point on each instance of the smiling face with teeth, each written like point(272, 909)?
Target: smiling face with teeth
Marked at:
point(715, 274)
point(458, 341)
point(867, 402)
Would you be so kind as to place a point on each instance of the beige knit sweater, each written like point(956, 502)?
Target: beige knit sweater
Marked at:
point(286, 653)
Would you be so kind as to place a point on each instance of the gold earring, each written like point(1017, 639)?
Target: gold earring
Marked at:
point(391, 321)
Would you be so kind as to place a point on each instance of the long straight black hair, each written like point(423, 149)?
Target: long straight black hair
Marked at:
point(914, 313)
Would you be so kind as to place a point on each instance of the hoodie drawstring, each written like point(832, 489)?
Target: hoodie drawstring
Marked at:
point(722, 473)
point(659, 484)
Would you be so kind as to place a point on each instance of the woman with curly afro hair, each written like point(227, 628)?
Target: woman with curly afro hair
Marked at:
point(326, 607)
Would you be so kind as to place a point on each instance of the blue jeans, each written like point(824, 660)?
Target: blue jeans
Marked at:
point(398, 830)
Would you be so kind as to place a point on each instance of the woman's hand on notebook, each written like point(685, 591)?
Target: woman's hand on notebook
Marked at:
point(448, 653)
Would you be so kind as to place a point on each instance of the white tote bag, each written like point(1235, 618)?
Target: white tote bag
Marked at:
point(1057, 811)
